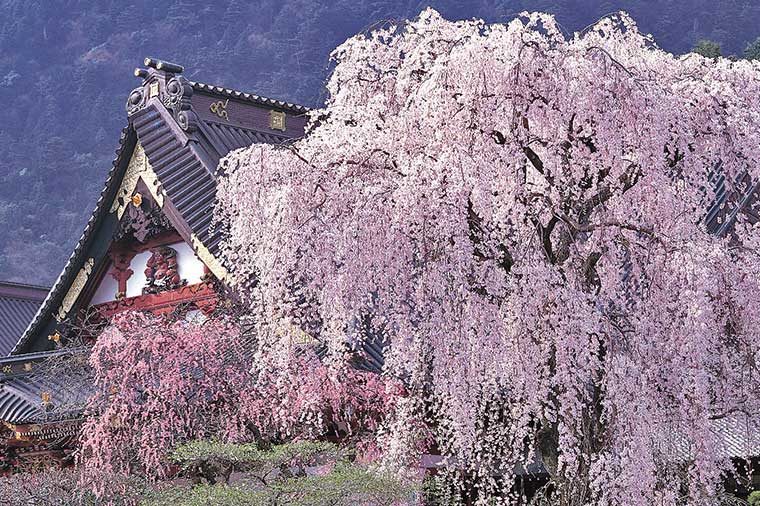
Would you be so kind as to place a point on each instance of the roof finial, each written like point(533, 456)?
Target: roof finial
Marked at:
point(172, 68)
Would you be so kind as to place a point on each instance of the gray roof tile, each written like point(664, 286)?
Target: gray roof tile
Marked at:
point(18, 304)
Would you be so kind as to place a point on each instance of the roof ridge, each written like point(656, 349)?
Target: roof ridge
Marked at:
point(24, 285)
point(166, 71)
point(248, 97)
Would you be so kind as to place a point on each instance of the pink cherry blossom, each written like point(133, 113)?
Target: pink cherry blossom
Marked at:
point(159, 383)
point(521, 216)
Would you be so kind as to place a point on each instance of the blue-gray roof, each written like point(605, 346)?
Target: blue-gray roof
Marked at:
point(18, 304)
point(185, 128)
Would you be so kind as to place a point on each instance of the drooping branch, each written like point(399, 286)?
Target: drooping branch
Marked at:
point(536, 239)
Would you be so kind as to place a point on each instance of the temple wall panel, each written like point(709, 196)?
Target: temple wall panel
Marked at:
point(107, 289)
point(137, 280)
point(190, 267)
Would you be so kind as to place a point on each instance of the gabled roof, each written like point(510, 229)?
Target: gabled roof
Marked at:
point(176, 134)
point(18, 304)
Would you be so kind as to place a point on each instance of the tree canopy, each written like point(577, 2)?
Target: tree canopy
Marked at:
point(752, 51)
point(159, 382)
point(521, 218)
point(708, 49)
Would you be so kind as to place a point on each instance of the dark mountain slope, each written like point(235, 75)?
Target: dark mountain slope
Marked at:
point(65, 72)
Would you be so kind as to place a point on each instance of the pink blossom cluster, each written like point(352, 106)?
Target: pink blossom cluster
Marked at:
point(522, 217)
point(159, 383)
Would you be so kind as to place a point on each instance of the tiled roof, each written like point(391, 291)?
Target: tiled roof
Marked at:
point(21, 391)
point(183, 139)
point(225, 138)
point(735, 436)
point(729, 203)
point(188, 183)
point(18, 304)
point(241, 95)
point(740, 435)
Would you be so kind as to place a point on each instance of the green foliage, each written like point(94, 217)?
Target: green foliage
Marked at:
point(278, 477)
point(211, 460)
point(346, 485)
point(752, 51)
point(754, 497)
point(210, 449)
point(301, 453)
point(208, 495)
point(199, 453)
point(707, 48)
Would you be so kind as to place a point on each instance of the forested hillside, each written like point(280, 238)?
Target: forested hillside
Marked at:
point(65, 72)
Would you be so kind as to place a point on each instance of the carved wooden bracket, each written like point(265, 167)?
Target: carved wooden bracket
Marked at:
point(201, 295)
point(120, 271)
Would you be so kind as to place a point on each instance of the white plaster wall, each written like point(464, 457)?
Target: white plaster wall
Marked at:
point(136, 281)
point(107, 289)
point(190, 267)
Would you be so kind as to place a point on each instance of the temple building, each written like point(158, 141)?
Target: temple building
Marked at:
point(149, 245)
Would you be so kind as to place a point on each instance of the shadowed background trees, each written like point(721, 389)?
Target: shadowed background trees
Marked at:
point(65, 72)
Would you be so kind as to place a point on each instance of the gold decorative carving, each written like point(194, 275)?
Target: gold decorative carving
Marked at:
point(28, 366)
point(55, 337)
point(277, 120)
point(7, 369)
point(209, 260)
point(139, 167)
point(153, 89)
point(76, 288)
point(220, 108)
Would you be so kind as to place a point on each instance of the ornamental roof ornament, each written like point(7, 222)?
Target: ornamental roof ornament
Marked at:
point(162, 81)
point(173, 143)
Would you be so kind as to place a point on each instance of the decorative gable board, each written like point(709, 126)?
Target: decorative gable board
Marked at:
point(178, 130)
